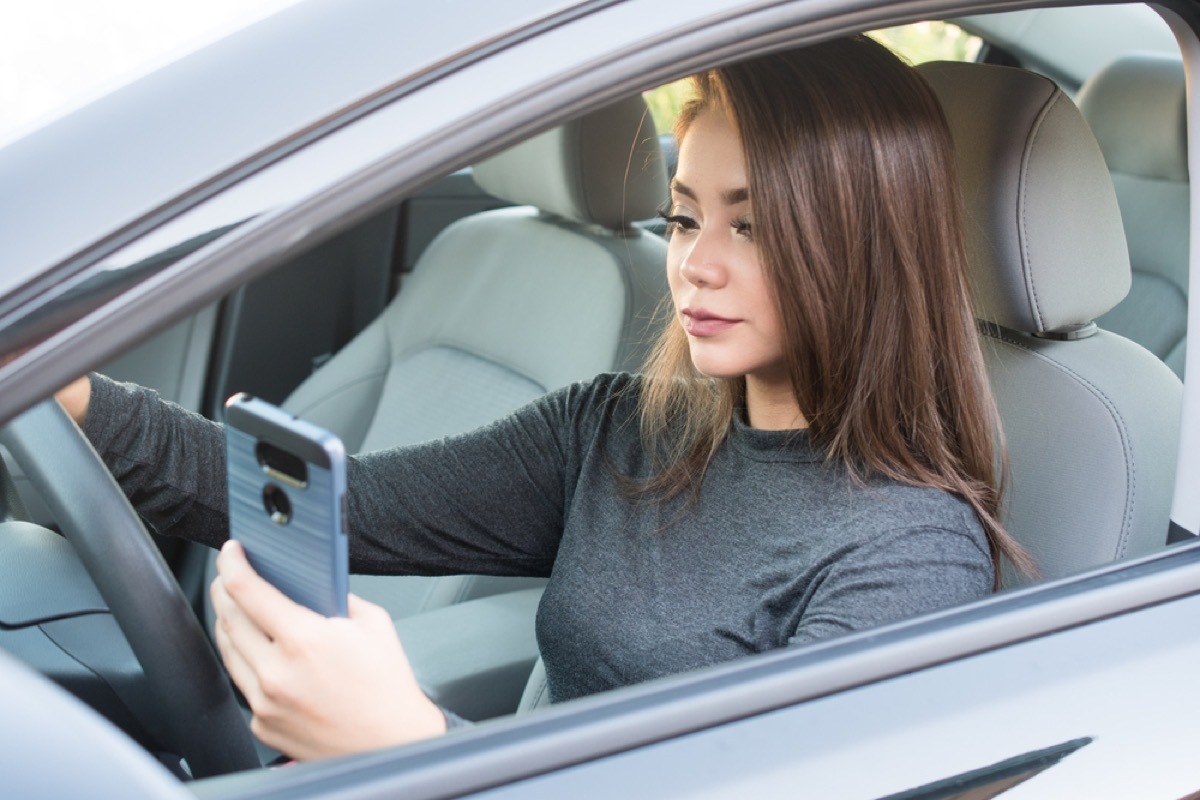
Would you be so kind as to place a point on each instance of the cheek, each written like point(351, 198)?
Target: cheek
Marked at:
point(674, 274)
point(765, 304)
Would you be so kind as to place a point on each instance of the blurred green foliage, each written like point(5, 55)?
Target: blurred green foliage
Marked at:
point(919, 42)
point(666, 101)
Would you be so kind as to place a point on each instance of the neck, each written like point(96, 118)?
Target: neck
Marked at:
point(772, 406)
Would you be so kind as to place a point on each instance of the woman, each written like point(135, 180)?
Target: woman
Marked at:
point(810, 450)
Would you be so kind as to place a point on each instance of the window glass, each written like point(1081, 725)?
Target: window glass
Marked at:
point(930, 41)
point(665, 103)
point(917, 42)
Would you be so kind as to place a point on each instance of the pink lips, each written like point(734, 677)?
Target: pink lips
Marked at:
point(699, 322)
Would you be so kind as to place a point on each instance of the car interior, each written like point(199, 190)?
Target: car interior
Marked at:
point(1148, 167)
point(449, 354)
point(1045, 264)
point(462, 303)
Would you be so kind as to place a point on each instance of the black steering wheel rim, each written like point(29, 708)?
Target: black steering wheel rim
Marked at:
point(201, 716)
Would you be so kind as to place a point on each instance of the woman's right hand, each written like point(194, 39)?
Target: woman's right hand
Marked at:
point(75, 397)
point(317, 686)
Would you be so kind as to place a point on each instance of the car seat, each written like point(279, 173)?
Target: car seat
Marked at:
point(1137, 108)
point(1091, 419)
point(504, 306)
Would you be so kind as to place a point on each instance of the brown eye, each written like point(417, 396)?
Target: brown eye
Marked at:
point(678, 222)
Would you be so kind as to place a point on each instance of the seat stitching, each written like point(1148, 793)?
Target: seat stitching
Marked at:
point(541, 692)
point(1122, 429)
point(1026, 261)
point(445, 342)
point(340, 389)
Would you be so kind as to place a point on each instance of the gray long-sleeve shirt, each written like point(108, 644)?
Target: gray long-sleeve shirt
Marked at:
point(781, 547)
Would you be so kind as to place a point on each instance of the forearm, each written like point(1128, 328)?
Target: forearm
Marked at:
point(169, 462)
point(489, 502)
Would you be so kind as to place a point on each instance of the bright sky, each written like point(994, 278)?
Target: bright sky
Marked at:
point(55, 54)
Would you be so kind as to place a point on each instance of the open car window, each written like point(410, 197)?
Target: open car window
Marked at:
point(365, 199)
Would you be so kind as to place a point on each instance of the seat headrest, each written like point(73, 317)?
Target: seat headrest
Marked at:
point(1119, 100)
point(606, 168)
point(1045, 242)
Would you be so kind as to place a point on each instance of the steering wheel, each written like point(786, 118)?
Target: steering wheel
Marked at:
point(200, 716)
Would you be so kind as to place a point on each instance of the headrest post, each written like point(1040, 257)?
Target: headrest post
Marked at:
point(1069, 334)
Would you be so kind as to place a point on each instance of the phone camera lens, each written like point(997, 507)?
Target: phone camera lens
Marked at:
point(277, 505)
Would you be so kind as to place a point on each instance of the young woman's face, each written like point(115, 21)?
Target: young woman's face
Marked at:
point(721, 295)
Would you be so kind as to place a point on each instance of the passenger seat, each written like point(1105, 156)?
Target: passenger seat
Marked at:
point(504, 306)
point(1137, 109)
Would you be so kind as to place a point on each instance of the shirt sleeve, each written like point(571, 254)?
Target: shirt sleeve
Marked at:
point(900, 574)
point(169, 462)
point(488, 502)
point(491, 501)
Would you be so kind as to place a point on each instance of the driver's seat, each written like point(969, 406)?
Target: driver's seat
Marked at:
point(1091, 418)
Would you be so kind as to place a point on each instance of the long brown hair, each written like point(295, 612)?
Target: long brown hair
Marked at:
point(859, 228)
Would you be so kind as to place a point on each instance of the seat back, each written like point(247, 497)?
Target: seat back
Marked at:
point(506, 305)
point(1137, 108)
point(1091, 419)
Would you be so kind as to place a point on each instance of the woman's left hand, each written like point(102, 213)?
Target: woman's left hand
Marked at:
point(318, 686)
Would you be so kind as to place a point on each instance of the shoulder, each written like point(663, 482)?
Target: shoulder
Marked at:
point(929, 536)
point(886, 515)
point(909, 551)
point(605, 387)
point(603, 395)
point(921, 505)
point(583, 411)
point(920, 520)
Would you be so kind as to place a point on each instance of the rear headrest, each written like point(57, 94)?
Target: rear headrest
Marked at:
point(1120, 100)
point(1044, 237)
point(606, 167)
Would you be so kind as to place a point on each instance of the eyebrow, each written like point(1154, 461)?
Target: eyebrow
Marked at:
point(731, 196)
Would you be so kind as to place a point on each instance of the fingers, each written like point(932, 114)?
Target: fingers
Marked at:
point(240, 641)
point(358, 608)
point(266, 607)
point(247, 607)
point(323, 686)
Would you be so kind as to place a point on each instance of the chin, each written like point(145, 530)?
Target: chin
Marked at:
point(718, 370)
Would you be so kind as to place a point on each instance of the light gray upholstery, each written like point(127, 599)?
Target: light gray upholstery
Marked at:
point(1038, 210)
point(589, 170)
point(504, 306)
point(482, 668)
point(537, 690)
point(1091, 423)
point(1137, 108)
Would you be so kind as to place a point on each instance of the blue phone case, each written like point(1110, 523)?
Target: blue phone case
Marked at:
point(287, 493)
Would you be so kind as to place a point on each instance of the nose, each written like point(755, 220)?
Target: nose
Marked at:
point(705, 263)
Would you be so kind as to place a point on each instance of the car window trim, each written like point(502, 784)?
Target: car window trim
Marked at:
point(604, 725)
point(66, 271)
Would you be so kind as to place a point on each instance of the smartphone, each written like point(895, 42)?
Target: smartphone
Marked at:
point(287, 501)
